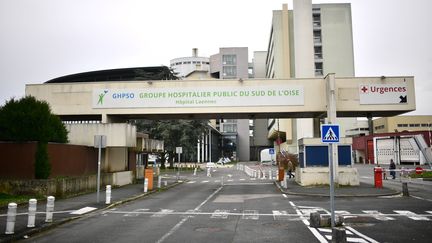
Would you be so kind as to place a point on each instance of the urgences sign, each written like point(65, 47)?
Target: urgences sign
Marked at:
point(382, 94)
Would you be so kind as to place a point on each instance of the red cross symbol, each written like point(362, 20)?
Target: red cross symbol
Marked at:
point(364, 89)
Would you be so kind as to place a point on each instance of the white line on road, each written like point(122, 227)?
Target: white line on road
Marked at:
point(378, 215)
point(284, 195)
point(174, 229)
point(83, 210)
point(420, 198)
point(361, 235)
point(411, 215)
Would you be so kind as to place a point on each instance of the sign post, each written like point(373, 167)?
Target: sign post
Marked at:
point(330, 135)
point(271, 152)
point(99, 142)
point(178, 152)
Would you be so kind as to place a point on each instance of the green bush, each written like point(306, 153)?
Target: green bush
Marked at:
point(29, 119)
point(42, 164)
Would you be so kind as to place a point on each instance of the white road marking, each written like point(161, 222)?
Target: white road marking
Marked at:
point(378, 215)
point(83, 210)
point(284, 195)
point(319, 236)
point(250, 214)
point(162, 213)
point(204, 181)
point(411, 215)
point(220, 214)
point(136, 212)
point(361, 235)
point(280, 215)
point(174, 229)
point(230, 180)
point(345, 214)
point(242, 179)
point(191, 182)
point(420, 198)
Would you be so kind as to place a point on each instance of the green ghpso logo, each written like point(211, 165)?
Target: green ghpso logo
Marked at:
point(101, 97)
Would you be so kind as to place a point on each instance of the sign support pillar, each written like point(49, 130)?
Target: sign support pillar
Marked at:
point(331, 119)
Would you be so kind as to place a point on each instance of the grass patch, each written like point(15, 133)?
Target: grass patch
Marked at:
point(425, 174)
point(5, 199)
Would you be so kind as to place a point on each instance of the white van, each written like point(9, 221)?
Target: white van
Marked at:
point(268, 156)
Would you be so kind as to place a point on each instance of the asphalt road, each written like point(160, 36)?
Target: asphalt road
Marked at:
point(245, 210)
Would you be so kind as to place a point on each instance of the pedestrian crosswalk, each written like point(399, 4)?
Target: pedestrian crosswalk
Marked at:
point(278, 215)
point(225, 180)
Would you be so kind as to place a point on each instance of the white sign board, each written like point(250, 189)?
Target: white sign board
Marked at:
point(262, 95)
point(179, 150)
point(375, 94)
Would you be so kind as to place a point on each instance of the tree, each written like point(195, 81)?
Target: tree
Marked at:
point(29, 119)
point(175, 133)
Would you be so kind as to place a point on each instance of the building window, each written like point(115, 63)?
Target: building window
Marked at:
point(229, 71)
point(379, 127)
point(229, 128)
point(318, 52)
point(319, 69)
point(229, 59)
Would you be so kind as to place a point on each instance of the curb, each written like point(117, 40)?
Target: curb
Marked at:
point(340, 196)
point(47, 226)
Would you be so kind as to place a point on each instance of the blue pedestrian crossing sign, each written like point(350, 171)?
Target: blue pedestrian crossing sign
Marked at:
point(330, 133)
point(271, 151)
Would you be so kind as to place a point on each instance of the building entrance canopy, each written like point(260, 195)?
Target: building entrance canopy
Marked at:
point(253, 98)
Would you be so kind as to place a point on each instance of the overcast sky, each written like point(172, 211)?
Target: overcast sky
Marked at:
point(44, 39)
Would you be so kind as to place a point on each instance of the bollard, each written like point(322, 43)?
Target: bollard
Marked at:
point(31, 213)
point(159, 181)
point(165, 183)
point(49, 209)
point(11, 218)
point(339, 235)
point(405, 191)
point(108, 194)
point(270, 175)
point(178, 176)
point(277, 176)
point(208, 172)
point(286, 182)
point(145, 185)
point(222, 181)
point(195, 170)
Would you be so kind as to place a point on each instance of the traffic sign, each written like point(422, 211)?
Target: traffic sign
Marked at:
point(419, 170)
point(330, 133)
point(271, 151)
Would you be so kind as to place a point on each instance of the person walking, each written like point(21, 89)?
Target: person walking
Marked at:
point(290, 169)
point(392, 167)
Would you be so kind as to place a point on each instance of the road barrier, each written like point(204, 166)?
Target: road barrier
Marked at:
point(32, 213)
point(145, 185)
point(108, 194)
point(11, 218)
point(49, 209)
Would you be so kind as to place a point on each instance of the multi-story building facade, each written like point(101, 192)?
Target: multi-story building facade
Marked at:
point(309, 41)
point(184, 67)
point(402, 124)
point(233, 63)
point(236, 134)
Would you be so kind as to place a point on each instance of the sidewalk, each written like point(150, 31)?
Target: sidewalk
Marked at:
point(64, 207)
point(363, 190)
